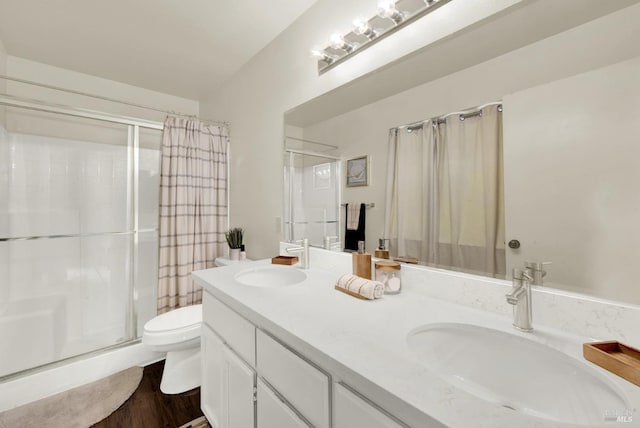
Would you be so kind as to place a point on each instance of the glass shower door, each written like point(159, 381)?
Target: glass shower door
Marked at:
point(68, 236)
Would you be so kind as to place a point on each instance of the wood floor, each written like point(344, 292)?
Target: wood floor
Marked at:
point(150, 408)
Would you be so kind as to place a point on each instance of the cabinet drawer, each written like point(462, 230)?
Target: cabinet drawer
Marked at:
point(238, 333)
point(300, 383)
point(351, 411)
point(273, 412)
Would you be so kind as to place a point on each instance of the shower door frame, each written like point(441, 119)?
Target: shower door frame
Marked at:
point(133, 157)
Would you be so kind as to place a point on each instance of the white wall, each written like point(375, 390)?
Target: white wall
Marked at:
point(3, 63)
point(50, 75)
point(4, 252)
point(283, 76)
point(365, 131)
point(571, 158)
point(3, 70)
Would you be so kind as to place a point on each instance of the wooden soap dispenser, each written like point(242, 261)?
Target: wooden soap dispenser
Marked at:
point(382, 252)
point(362, 262)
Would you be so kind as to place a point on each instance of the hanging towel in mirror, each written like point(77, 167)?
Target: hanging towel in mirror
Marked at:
point(354, 230)
point(353, 216)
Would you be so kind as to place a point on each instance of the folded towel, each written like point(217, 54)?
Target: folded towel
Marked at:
point(359, 286)
point(353, 215)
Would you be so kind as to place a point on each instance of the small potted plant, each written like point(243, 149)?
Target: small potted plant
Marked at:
point(234, 239)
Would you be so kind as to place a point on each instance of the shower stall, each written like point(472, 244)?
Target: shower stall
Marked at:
point(312, 197)
point(78, 232)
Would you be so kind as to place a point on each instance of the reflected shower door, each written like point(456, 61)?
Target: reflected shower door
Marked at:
point(312, 197)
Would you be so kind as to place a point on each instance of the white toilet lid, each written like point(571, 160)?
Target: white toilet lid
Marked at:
point(177, 319)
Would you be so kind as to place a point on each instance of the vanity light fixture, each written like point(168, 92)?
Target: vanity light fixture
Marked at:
point(392, 15)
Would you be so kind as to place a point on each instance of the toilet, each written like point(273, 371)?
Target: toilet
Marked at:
point(178, 334)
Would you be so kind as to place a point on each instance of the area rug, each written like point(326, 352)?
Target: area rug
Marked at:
point(201, 422)
point(80, 407)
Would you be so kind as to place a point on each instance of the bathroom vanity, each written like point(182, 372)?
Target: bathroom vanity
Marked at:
point(281, 348)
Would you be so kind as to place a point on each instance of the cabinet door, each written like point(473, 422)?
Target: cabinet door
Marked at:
point(273, 412)
point(238, 380)
point(299, 382)
point(351, 411)
point(211, 389)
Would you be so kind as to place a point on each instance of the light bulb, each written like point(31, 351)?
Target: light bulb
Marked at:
point(387, 9)
point(362, 27)
point(338, 42)
point(321, 55)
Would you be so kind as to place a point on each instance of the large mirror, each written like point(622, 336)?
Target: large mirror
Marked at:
point(544, 167)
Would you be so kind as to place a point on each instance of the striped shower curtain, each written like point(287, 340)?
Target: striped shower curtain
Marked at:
point(193, 207)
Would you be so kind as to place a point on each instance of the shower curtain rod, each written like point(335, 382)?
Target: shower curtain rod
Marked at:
point(471, 112)
point(308, 153)
point(100, 97)
point(309, 141)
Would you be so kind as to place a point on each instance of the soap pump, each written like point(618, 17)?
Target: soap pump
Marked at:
point(362, 262)
point(382, 252)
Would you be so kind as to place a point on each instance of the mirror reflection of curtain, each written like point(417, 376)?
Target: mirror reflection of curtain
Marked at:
point(412, 192)
point(445, 193)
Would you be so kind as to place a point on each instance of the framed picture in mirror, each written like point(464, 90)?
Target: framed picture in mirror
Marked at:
point(358, 171)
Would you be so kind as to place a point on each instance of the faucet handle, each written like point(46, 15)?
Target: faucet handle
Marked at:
point(521, 274)
point(328, 241)
point(535, 265)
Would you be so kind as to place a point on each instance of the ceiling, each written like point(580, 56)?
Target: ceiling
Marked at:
point(187, 48)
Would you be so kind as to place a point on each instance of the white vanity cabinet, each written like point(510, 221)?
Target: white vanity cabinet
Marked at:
point(211, 388)
point(351, 411)
point(227, 392)
point(300, 383)
point(252, 380)
point(273, 412)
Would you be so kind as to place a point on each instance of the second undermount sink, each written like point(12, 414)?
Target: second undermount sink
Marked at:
point(516, 373)
point(270, 276)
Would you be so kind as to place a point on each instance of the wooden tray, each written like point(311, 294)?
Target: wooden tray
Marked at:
point(406, 259)
point(350, 293)
point(284, 260)
point(616, 357)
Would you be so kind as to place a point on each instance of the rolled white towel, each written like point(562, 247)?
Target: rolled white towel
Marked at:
point(363, 287)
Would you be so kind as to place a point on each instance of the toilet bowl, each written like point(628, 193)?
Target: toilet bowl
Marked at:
point(178, 334)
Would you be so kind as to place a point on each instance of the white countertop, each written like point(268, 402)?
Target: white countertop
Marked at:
point(364, 344)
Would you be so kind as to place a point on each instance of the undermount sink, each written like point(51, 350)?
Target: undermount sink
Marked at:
point(516, 373)
point(270, 276)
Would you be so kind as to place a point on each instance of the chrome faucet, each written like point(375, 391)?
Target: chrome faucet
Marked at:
point(536, 271)
point(520, 298)
point(330, 244)
point(304, 250)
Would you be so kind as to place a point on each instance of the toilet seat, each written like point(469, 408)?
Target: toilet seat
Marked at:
point(174, 327)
